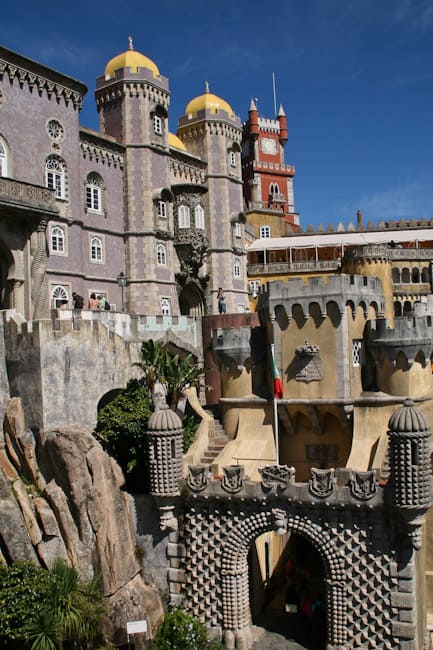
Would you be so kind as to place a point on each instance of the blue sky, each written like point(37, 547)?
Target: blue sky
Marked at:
point(355, 78)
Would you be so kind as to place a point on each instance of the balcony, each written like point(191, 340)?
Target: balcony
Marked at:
point(25, 199)
point(274, 268)
point(411, 254)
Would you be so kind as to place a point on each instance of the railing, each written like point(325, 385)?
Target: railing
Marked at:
point(37, 196)
point(294, 267)
point(411, 253)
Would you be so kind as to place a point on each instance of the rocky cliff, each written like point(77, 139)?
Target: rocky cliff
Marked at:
point(61, 496)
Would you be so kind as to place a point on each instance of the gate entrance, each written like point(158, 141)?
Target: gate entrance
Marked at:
point(289, 596)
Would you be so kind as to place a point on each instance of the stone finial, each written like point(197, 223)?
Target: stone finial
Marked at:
point(253, 106)
point(206, 87)
point(130, 43)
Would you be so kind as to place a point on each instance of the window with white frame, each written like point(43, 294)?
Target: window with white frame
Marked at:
point(96, 249)
point(199, 216)
point(184, 216)
point(238, 232)
point(55, 130)
point(237, 268)
point(265, 232)
point(55, 176)
point(274, 189)
point(166, 306)
point(232, 158)
point(162, 209)
point(253, 287)
point(94, 185)
point(157, 124)
point(357, 353)
point(59, 297)
point(57, 240)
point(161, 255)
point(3, 159)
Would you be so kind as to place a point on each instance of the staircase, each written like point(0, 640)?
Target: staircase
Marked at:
point(216, 445)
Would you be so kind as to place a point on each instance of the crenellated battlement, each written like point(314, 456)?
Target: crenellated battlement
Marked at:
point(340, 290)
point(411, 336)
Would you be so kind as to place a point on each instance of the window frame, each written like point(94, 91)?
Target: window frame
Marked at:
point(236, 268)
point(199, 216)
point(157, 124)
point(161, 254)
point(96, 260)
point(54, 248)
point(165, 301)
point(265, 232)
point(161, 209)
point(56, 287)
point(184, 216)
point(4, 159)
point(94, 184)
point(55, 179)
point(357, 353)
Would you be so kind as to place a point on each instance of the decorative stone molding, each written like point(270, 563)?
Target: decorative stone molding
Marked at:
point(280, 476)
point(363, 485)
point(99, 153)
point(198, 477)
point(233, 478)
point(231, 346)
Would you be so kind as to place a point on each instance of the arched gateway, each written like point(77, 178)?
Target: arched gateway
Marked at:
point(367, 535)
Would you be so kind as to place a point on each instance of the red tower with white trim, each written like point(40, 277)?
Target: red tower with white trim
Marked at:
point(268, 181)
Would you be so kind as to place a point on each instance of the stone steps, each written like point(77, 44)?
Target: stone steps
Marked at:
point(216, 445)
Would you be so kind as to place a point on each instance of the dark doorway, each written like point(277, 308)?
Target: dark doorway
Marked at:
point(291, 600)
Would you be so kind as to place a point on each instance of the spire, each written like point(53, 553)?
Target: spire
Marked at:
point(130, 43)
point(253, 106)
point(281, 112)
point(206, 87)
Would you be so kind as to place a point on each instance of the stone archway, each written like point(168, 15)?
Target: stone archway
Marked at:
point(234, 574)
point(191, 301)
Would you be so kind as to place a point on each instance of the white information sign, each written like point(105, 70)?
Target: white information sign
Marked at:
point(136, 627)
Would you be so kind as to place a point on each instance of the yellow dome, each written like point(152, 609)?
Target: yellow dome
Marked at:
point(209, 102)
point(130, 59)
point(174, 141)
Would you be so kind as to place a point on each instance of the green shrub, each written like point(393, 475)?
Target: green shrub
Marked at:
point(180, 631)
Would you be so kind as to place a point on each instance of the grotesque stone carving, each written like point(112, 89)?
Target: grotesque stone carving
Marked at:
point(322, 482)
point(281, 521)
point(198, 477)
point(363, 485)
point(308, 363)
point(233, 478)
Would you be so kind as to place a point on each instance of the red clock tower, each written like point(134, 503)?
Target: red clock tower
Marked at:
point(268, 181)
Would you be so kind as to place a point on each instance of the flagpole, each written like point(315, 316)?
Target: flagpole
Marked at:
point(277, 451)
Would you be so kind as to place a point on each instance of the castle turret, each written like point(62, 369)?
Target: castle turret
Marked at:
point(164, 446)
point(409, 437)
point(284, 134)
point(253, 120)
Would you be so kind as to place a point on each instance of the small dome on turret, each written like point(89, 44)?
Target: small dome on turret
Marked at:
point(130, 59)
point(210, 102)
point(164, 419)
point(408, 419)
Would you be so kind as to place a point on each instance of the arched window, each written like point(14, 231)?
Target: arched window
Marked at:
point(96, 249)
point(274, 190)
point(265, 232)
point(238, 231)
point(397, 308)
point(55, 176)
point(184, 216)
point(232, 158)
point(94, 186)
point(396, 276)
point(58, 240)
point(237, 268)
point(199, 216)
point(59, 297)
point(415, 275)
point(425, 274)
point(4, 167)
point(161, 255)
point(405, 276)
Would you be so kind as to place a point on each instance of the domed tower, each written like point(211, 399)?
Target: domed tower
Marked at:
point(212, 131)
point(133, 100)
point(409, 438)
point(164, 446)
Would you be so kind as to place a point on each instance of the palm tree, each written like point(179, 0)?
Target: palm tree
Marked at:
point(153, 363)
point(71, 613)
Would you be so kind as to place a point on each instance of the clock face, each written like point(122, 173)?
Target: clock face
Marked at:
point(268, 145)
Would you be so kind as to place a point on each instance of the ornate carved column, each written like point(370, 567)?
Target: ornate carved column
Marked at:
point(39, 281)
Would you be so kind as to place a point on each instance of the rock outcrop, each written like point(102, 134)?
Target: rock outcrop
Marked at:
point(61, 496)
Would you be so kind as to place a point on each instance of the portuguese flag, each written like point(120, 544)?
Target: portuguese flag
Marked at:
point(278, 386)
